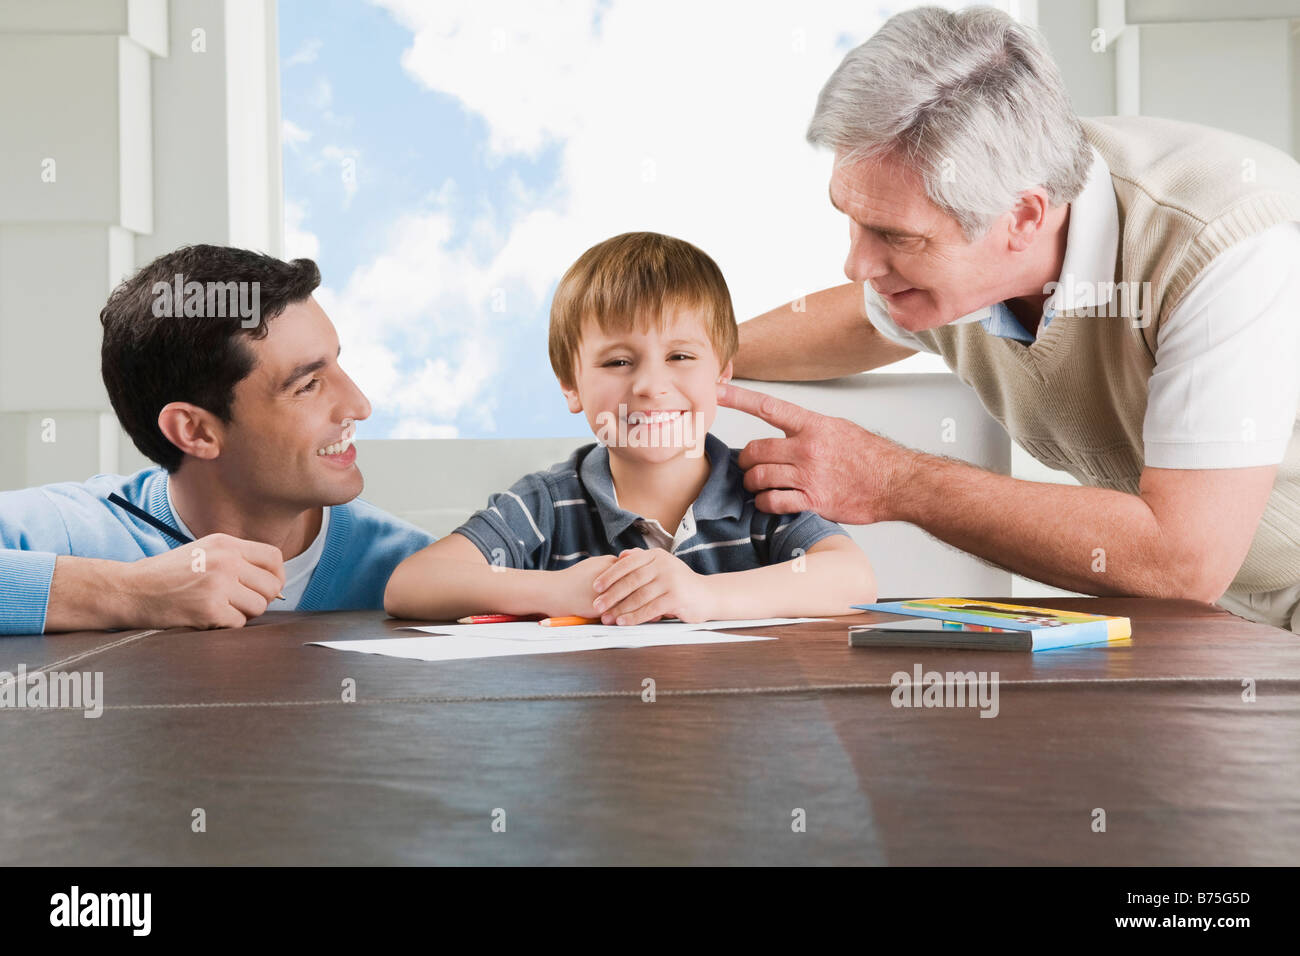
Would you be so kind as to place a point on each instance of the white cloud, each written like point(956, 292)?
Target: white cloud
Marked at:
point(306, 53)
point(520, 65)
point(673, 116)
point(417, 326)
point(293, 134)
point(344, 161)
point(322, 94)
point(298, 242)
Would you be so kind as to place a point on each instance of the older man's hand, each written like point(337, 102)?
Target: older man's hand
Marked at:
point(827, 465)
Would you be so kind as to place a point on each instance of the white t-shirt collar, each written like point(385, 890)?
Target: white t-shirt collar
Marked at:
point(297, 570)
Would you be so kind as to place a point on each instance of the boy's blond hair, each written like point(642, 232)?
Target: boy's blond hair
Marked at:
point(631, 282)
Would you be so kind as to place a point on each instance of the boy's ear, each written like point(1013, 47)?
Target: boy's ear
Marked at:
point(725, 375)
point(571, 396)
point(193, 430)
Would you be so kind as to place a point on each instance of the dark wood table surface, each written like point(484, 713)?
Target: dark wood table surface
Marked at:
point(251, 726)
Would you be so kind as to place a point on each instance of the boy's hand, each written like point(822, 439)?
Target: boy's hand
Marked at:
point(646, 584)
point(575, 592)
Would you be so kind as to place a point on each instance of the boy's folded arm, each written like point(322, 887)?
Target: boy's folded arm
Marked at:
point(831, 576)
point(451, 578)
point(487, 565)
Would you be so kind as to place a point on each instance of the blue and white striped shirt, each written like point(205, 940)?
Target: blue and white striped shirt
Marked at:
point(552, 519)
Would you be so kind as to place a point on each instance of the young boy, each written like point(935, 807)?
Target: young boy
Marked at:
point(654, 521)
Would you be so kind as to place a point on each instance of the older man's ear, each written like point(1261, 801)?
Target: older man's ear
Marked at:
point(1027, 219)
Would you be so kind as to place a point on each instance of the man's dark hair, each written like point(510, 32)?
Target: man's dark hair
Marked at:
point(160, 347)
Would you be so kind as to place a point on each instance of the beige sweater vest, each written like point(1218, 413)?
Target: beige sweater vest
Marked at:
point(1075, 400)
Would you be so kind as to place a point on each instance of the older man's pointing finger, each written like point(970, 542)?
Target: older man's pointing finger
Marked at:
point(824, 464)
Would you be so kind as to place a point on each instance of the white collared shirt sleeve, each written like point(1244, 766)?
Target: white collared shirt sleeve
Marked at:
point(1226, 383)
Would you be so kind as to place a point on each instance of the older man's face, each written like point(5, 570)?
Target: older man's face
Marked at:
point(912, 252)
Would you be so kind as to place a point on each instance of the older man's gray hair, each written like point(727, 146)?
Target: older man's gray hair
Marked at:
point(971, 100)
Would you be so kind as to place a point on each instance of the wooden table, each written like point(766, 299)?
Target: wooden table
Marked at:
point(251, 726)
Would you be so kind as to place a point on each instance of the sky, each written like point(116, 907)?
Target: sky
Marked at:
point(445, 162)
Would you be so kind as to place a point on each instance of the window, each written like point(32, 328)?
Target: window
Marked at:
point(446, 162)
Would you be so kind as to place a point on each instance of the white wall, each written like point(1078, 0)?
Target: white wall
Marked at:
point(131, 127)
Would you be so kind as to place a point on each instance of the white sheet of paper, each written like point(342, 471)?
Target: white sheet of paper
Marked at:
point(533, 631)
point(458, 642)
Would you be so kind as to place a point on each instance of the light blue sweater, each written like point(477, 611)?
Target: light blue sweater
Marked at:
point(362, 544)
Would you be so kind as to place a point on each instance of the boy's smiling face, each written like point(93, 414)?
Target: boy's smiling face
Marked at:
point(650, 394)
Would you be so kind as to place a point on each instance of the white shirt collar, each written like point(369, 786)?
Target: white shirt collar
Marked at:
point(1091, 243)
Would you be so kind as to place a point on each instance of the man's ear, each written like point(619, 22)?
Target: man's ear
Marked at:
point(571, 396)
point(1028, 216)
point(725, 375)
point(195, 431)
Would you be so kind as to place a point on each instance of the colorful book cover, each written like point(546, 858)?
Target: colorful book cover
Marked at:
point(1050, 627)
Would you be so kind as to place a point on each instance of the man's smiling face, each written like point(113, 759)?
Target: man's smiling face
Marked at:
point(909, 250)
point(295, 408)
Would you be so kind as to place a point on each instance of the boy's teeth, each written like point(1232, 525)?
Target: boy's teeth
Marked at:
point(639, 418)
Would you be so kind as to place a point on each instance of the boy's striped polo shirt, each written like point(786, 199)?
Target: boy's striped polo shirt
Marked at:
point(552, 519)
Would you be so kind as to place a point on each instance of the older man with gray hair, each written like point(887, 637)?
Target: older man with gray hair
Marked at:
point(1121, 293)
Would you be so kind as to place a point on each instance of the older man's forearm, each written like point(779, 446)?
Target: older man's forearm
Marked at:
point(821, 336)
point(1091, 540)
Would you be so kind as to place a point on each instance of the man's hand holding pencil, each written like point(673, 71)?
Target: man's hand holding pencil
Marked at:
point(216, 581)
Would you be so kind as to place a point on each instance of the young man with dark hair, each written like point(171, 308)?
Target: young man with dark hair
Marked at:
point(224, 370)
